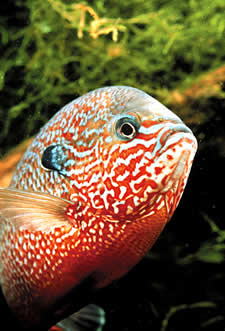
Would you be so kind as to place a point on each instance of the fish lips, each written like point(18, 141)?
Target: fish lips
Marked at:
point(175, 128)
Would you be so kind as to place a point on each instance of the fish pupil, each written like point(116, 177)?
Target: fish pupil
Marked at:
point(127, 129)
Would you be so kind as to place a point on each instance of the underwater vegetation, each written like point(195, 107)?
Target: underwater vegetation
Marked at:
point(53, 51)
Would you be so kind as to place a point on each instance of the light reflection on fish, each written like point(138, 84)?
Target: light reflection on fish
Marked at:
point(89, 199)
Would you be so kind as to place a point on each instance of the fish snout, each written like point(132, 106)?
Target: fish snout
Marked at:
point(170, 131)
point(174, 127)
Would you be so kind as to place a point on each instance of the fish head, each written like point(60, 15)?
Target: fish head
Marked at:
point(147, 159)
point(116, 150)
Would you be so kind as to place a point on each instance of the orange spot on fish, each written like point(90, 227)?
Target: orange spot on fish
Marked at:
point(158, 170)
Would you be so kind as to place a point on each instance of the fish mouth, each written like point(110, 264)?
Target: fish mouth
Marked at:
point(173, 129)
point(171, 132)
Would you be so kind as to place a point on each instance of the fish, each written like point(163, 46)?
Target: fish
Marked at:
point(88, 200)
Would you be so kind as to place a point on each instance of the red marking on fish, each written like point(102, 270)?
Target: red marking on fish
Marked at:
point(90, 197)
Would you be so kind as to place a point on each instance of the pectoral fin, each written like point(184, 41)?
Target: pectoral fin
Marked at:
point(34, 211)
point(90, 318)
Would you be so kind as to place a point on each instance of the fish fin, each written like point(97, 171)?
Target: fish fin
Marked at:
point(89, 318)
point(34, 211)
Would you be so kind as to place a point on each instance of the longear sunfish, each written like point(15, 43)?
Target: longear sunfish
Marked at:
point(88, 200)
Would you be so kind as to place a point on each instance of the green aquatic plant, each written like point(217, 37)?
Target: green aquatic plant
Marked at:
point(190, 307)
point(54, 50)
point(210, 251)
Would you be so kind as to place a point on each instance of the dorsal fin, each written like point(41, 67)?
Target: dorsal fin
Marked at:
point(35, 211)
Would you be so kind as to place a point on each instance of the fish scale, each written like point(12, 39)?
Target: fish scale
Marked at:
point(89, 199)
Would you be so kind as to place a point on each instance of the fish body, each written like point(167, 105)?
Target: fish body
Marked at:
point(89, 199)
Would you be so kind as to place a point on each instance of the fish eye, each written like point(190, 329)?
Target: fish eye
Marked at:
point(53, 158)
point(127, 128)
